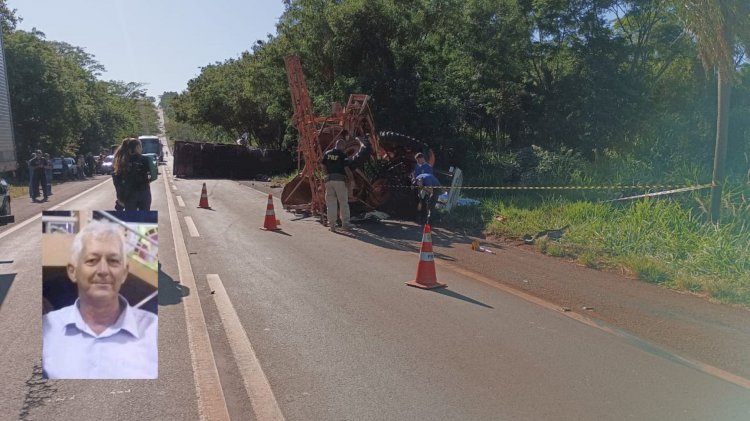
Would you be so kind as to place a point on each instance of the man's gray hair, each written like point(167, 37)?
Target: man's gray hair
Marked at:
point(97, 229)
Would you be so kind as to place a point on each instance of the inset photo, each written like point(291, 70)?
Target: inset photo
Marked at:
point(100, 294)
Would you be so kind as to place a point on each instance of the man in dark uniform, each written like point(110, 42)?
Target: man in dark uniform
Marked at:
point(37, 166)
point(335, 162)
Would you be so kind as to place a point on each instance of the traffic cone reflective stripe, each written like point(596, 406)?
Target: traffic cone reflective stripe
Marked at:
point(426, 276)
point(204, 198)
point(270, 223)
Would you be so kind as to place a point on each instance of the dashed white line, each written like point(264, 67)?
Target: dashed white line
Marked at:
point(192, 229)
point(256, 384)
point(180, 201)
point(211, 403)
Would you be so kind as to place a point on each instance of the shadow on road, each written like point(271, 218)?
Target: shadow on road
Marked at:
point(280, 232)
point(380, 240)
point(453, 294)
point(170, 292)
point(6, 281)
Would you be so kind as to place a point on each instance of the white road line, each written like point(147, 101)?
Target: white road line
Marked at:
point(192, 229)
point(642, 344)
point(30, 220)
point(174, 187)
point(256, 384)
point(211, 403)
point(180, 201)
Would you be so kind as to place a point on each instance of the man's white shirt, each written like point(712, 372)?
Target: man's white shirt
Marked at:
point(128, 349)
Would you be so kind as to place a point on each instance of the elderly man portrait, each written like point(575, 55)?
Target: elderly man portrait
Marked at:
point(100, 336)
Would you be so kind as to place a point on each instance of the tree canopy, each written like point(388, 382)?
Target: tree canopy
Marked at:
point(59, 102)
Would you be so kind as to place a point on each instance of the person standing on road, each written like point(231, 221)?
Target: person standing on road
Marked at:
point(48, 173)
point(90, 164)
point(37, 166)
point(32, 176)
point(132, 176)
point(81, 167)
point(335, 162)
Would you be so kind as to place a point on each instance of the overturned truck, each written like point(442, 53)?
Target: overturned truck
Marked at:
point(210, 160)
point(379, 181)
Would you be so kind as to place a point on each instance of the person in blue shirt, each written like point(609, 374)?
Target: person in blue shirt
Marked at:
point(422, 167)
point(100, 336)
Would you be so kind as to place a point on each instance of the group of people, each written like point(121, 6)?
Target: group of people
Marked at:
point(40, 175)
point(132, 174)
point(337, 166)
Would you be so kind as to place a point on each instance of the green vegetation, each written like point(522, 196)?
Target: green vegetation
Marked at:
point(283, 179)
point(590, 92)
point(659, 241)
point(59, 103)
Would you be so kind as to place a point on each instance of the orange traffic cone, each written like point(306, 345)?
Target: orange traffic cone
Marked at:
point(426, 277)
point(204, 198)
point(270, 223)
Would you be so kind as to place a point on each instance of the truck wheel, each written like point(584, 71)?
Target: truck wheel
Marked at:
point(5, 209)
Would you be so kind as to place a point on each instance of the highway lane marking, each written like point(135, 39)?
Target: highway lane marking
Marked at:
point(192, 229)
point(39, 215)
point(211, 403)
point(180, 201)
point(174, 187)
point(637, 342)
point(256, 383)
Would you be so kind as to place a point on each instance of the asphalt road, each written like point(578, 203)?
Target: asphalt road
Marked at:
point(24, 395)
point(308, 325)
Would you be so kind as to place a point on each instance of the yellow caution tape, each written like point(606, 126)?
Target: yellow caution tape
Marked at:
point(612, 187)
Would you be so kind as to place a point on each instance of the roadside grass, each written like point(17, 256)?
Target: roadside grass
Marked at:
point(284, 178)
point(662, 241)
point(17, 191)
point(21, 189)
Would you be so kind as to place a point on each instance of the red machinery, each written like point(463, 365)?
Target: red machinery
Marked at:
point(390, 163)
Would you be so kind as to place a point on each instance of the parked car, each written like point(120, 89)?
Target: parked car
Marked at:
point(107, 164)
point(64, 168)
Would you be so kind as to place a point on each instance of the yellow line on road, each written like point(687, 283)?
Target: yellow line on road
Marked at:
point(192, 229)
point(211, 403)
point(256, 384)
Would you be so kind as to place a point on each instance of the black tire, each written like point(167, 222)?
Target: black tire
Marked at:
point(5, 209)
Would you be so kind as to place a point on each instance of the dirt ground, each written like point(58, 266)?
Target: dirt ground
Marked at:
point(681, 323)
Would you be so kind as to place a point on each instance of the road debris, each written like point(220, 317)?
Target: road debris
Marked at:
point(553, 234)
point(476, 247)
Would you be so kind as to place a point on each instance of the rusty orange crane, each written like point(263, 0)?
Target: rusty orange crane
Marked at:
point(306, 192)
point(389, 163)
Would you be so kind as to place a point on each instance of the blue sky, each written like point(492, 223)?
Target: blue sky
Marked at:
point(162, 43)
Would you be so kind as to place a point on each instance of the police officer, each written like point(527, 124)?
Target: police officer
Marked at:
point(335, 162)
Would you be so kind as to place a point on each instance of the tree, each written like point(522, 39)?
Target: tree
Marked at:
point(720, 27)
point(8, 18)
